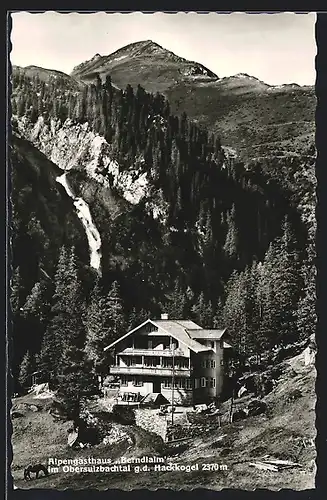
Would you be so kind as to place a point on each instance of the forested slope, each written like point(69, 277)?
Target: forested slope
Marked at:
point(232, 244)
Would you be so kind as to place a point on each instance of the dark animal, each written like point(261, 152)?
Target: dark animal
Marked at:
point(36, 469)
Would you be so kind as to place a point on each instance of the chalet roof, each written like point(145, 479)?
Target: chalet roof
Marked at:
point(186, 323)
point(206, 334)
point(179, 332)
point(185, 331)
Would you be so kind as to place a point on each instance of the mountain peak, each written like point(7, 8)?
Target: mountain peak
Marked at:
point(144, 43)
point(145, 48)
point(144, 62)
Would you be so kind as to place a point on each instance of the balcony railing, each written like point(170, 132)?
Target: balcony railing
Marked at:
point(133, 351)
point(150, 370)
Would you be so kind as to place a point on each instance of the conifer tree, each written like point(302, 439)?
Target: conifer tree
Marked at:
point(208, 230)
point(287, 286)
point(35, 312)
point(231, 242)
point(143, 315)
point(95, 325)
point(176, 306)
point(77, 383)
point(266, 297)
point(65, 327)
point(252, 310)
point(26, 370)
point(207, 316)
point(218, 321)
point(132, 319)
point(20, 106)
point(104, 324)
point(14, 108)
point(15, 291)
point(203, 312)
point(306, 310)
point(234, 312)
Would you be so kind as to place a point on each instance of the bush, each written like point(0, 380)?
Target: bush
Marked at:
point(88, 433)
point(256, 408)
point(239, 415)
point(123, 415)
point(295, 394)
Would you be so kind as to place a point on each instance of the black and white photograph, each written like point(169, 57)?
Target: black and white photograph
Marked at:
point(163, 250)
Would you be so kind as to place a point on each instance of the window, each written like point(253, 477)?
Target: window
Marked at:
point(208, 363)
point(179, 383)
point(212, 382)
point(133, 360)
point(124, 382)
point(181, 363)
point(151, 361)
point(167, 362)
point(167, 383)
point(150, 344)
point(222, 362)
point(137, 382)
point(204, 381)
point(188, 383)
point(212, 344)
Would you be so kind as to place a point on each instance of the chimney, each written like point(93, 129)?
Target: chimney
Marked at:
point(164, 316)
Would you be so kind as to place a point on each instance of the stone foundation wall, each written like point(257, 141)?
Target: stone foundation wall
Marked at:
point(151, 421)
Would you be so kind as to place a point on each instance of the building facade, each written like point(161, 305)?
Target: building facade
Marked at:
point(176, 358)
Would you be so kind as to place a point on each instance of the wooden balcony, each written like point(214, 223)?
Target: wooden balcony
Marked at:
point(149, 370)
point(167, 353)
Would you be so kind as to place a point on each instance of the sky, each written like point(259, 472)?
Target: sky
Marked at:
point(276, 48)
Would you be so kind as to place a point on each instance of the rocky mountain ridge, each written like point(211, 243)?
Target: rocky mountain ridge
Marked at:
point(250, 116)
point(142, 54)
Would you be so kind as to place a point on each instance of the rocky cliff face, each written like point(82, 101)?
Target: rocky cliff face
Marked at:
point(96, 181)
point(75, 146)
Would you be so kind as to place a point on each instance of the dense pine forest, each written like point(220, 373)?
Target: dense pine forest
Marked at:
point(235, 248)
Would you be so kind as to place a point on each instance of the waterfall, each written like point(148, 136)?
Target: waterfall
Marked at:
point(83, 212)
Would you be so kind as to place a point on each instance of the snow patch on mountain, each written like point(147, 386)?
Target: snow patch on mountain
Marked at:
point(120, 58)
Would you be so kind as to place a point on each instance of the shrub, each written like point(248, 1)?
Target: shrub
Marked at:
point(123, 415)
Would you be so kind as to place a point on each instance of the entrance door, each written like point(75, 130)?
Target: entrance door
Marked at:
point(157, 385)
